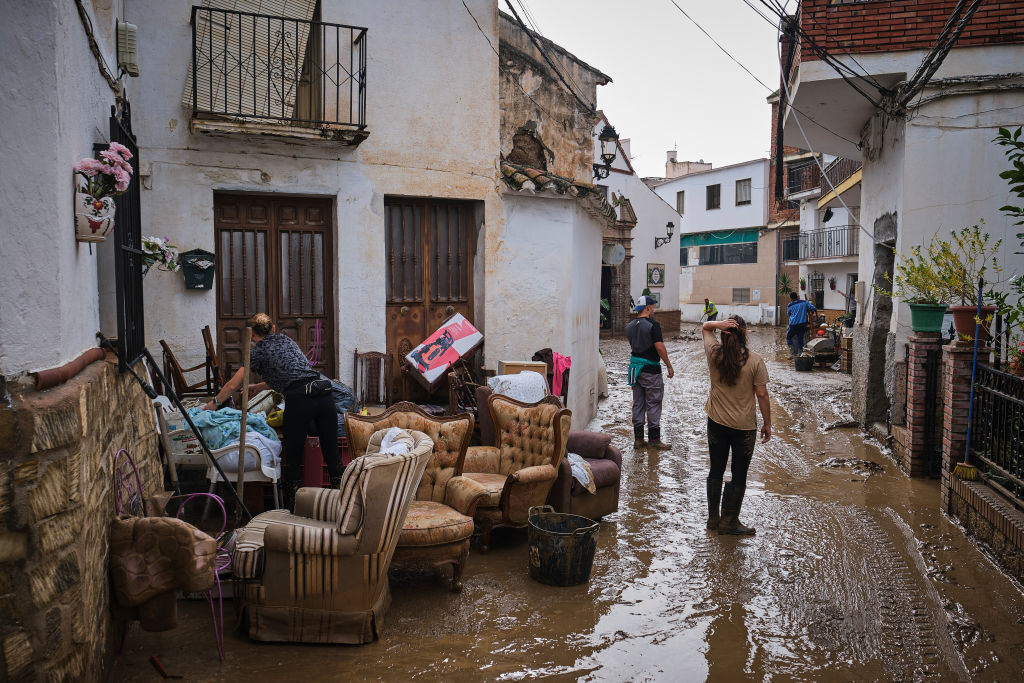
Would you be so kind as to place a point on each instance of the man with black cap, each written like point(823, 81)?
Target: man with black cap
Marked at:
point(648, 352)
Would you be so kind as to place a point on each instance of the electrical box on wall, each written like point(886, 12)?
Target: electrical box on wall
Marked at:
point(859, 292)
point(127, 50)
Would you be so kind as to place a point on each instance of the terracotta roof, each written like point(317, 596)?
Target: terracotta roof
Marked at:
point(528, 179)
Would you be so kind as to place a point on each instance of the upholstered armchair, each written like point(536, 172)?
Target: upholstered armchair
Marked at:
point(605, 461)
point(567, 494)
point(520, 468)
point(320, 575)
point(439, 526)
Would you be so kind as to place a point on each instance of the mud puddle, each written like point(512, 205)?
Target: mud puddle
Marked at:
point(846, 579)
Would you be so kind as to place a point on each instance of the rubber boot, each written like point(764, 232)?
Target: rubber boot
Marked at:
point(714, 500)
point(732, 501)
point(638, 437)
point(288, 494)
point(654, 440)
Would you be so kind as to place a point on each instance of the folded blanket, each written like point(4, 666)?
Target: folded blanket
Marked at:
point(270, 456)
point(221, 427)
point(581, 472)
point(527, 386)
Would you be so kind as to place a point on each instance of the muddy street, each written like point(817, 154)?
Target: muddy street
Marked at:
point(854, 573)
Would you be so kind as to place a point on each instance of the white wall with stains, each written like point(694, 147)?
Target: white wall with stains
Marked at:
point(544, 290)
point(424, 140)
point(56, 106)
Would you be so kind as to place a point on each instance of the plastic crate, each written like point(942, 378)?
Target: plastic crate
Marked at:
point(314, 469)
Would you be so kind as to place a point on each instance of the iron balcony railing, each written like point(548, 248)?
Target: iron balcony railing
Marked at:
point(840, 169)
point(838, 241)
point(802, 178)
point(277, 69)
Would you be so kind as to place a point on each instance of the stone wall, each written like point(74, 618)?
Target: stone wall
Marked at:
point(56, 501)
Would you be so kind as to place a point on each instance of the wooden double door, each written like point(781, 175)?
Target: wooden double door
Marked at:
point(275, 255)
point(429, 251)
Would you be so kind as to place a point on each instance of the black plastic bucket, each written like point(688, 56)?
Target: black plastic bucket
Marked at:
point(804, 363)
point(562, 546)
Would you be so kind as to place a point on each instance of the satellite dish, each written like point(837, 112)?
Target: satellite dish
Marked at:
point(613, 254)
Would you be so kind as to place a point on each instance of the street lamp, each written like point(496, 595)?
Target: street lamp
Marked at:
point(609, 142)
point(661, 241)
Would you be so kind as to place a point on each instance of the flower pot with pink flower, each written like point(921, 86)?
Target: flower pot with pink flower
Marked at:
point(104, 178)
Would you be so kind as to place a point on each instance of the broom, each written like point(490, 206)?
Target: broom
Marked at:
point(965, 470)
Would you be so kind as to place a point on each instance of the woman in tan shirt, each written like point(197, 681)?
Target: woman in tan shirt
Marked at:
point(738, 375)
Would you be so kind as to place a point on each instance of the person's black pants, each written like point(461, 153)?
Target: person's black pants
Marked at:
point(713, 316)
point(300, 413)
point(721, 440)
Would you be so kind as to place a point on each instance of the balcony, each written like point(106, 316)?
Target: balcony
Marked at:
point(840, 169)
point(829, 243)
point(803, 178)
point(277, 76)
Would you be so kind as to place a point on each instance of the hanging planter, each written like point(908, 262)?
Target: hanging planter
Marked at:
point(94, 217)
point(104, 178)
point(159, 252)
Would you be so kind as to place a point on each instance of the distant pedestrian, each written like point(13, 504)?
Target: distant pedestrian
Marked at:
point(710, 310)
point(798, 310)
point(738, 375)
point(648, 352)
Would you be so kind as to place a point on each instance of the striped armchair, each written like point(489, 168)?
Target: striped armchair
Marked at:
point(520, 469)
point(320, 575)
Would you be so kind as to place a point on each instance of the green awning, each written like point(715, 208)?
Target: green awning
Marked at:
point(703, 239)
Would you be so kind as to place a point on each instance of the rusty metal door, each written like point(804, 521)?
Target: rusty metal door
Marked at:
point(429, 256)
point(274, 254)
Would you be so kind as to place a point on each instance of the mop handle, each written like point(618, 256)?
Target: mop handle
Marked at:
point(974, 369)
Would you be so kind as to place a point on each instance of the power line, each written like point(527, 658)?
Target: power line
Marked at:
point(741, 65)
point(576, 87)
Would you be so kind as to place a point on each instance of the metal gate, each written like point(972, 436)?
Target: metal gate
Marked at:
point(131, 329)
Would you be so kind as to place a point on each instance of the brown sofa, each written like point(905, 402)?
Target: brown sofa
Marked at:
point(567, 495)
point(439, 526)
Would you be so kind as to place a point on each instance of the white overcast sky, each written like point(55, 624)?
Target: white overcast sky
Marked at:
point(671, 87)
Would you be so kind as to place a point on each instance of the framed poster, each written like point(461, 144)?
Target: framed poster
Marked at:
point(454, 339)
point(655, 274)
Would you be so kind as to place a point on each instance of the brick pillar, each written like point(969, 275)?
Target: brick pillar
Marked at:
point(916, 457)
point(956, 393)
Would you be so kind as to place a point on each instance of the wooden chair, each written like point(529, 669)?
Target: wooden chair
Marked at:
point(175, 374)
point(371, 378)
point(212, 360)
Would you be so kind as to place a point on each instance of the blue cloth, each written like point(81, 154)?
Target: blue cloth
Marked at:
point(798, 311)
point(223, 427)
point(637, 365)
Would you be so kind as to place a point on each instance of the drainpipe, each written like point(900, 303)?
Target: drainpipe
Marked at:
point(54, 376)
point(778, 269)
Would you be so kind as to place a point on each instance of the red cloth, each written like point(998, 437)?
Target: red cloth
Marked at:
point(559, 364)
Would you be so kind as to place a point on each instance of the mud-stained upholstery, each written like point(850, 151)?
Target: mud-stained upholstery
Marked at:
point(519, 470)
point(313, 577)
point(605, 460)
point(439, 525)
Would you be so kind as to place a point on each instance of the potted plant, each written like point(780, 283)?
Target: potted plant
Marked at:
point(104, 178)
point(969, 255)
point(785, 285)
point(917, 282)
point(1015, 357)
point(803, 284)
point(832, 282)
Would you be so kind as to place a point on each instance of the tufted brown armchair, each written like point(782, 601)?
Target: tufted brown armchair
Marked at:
point(519, 470)
point(439, 525)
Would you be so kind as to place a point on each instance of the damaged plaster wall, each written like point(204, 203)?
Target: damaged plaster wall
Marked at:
point(456, 160)
point(531, 96)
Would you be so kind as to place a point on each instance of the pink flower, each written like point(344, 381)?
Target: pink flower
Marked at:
point(90, 167)
point(121, 179)
point(115, 160)
point(122, 150)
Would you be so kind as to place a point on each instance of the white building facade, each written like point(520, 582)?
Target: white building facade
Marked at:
point(725, 252)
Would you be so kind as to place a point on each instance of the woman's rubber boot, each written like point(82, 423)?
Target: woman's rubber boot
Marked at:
point(732, 501)
point(638, 437)
point(714, 500)
point(654, 440)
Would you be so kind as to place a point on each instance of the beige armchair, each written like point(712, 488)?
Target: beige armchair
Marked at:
point(439, 526)
point(519, 470)
point(320, 575)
